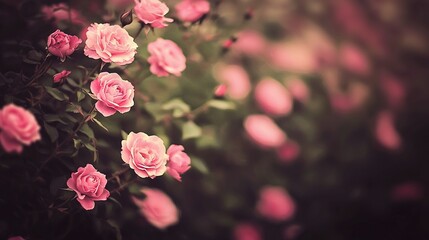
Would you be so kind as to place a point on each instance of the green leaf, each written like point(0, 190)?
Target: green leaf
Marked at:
point(178, 106)
point(85, 129)
point(57, 94)
point(80, 96)
point(155, 110)
point(222, 105)
point(52, 132)
point(199, 165)
point(190, 130)
point(74, 108)
point(124, 135)
point(54, 118)
point(73, 83)
point(100, 124)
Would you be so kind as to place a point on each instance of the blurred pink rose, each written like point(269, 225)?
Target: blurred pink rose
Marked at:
point(273, 97)
point(157, 208)
point(110, 44)
point(145, 154)
point(89, 185)
point(246, 231)
point(250, 42)
point(385, 131)
point(393, 89)
point(62, 45)
point(113, 94)
point(62, 12)
point(61, 75)
point(178, 161)
point(220, 90)
point(17, 127)
point(407, 191)
point(16, 238)
point(264, 131)
point(165, 58)
point(354, 60)
point(236, 79)
point(298, 89)
point(275, 204)
point(288, 152)
point(294, 56)
point(192, 10)
point(152, 12)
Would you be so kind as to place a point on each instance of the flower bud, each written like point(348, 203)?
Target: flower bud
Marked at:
point(127, 18)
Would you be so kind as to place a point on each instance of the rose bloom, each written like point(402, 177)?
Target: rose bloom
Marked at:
point(62, 12)
point(17, 127)
point(113, 94)
point(62, 45)
point(192, 10)
point(152, 12)
point(288, 152)
point(275, 204)
point(385, 131)
point(61, 75)
point(89, 185)
point(273, 97)
point(236, 79)
point(298, 89)
point(145, 154)
point(165, 58)
point(264, 131)
point(178, 161)
point(354, 60)
point(110, 43)
point(157, 208)
point(246, 231)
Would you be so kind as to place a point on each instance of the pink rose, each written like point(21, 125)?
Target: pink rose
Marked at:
point(354, 60)
point(17, 127)
point(110, 44)
point(62, 45)
point(145, 154)
point(178, 161)
point(165, 57)
point(89, 185)
point(236, 79)
point(246, 231)
point(275, 204)
point(288, 152)
point(264, 131)
point(61, 75)
point(62, 12)
point(192, 10)
point(298, 89)
point(273, 97)
point(157, 208)
point(250, 42)
point(152, 12)
point(113, 94)
point(385, 131)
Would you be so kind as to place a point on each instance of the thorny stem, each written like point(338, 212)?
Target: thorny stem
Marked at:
point(118, 173)
point(124, 186)
point(41, 69)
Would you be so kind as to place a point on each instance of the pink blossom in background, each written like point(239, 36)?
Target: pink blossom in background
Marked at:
point(158, 209)
point(298, 89)
point(61, 76)
point(192, 10)
point(275, 204)
point(145, 154)
point(321, 43)
point(407, 191)
point(110, 43)
point(16, 238)
point(393, 89)
point(250, 42)
point(62, 12)
point(178, 161)
point(292, 231)
point(385, 131)
point(113, 94)
point(341, 102)
point(264, 131)
point(152, 12)
point(289, 151)
point(18, 127)
point(120, 3)
point(353, 59)
point(166, 58)
point(220, 90)
point(89, 185)
point(228, 43)
point(246, 231)
point(354, 98)
point(62, 45)
point(273, 98)
point(236, 79)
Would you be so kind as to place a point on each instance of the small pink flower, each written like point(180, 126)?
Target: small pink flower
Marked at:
point(246, 231)
point(165, 58)
point(113, 94)
point(145, 154)
point(264, 131)
point(178, 161)
point(62, 45)
point(298, 89)
point(288, 152)
point(236, 79)
point(157, 208)
point(61, 76)
point(17, 127)
point(152, 12)
point(228, 43)
point(275, 204)
point(354, 60)
point(192, 10)
point(250, 42)
point(110, 43)
point(407, 191)
point(89, 185)
point(273, 97)
point(385, 131)
point(220, 90)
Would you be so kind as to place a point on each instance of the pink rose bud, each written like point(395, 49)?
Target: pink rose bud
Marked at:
point(385, 131)
point(288, 152)
point(178, 161)
point(61, 76)
point(220, 90)
point(89, 185)
point(298, 89)
point(166, 58)
point(17, 127)
point(62, 45)
point(113, 94)
point(246, 231)
point(264, 131)
point(354, 60)
point(192, 10)
point(273, 97)
point(228, 43)
point(236, 79)
point(407, 191)
point(249, 14)
point(110, 43)
point(145, 154)
point(152, 12)
point(275, 204)
point(158, 209)
point(126, 18)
